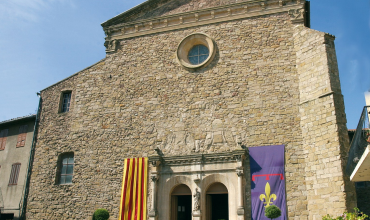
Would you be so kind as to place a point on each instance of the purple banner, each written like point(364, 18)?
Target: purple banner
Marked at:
point(268, 180)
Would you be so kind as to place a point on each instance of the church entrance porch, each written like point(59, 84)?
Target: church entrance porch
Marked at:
point(198, 186)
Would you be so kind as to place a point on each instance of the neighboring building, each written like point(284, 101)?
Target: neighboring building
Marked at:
point(16, 137)
point(190, 84)
point(359, 153)
point(358, 166)
point(367, 98)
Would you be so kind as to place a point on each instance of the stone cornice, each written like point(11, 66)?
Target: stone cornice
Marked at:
point(221, 170)
point(225, 157)
point(183, 160)
point(241, 10)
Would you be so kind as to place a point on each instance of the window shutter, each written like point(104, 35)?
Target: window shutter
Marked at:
point(3, 136)
point(13, 180)
point(22, 136)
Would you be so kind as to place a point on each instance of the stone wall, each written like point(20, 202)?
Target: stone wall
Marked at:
point(323, 123)
point(140, 98)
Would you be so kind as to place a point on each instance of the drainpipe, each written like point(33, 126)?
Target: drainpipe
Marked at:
point(30, 162)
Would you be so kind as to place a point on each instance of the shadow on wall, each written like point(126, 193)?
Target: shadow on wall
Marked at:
point(254, 168)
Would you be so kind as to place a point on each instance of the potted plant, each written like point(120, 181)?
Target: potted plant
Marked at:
point(101, 214)
point(272, 212)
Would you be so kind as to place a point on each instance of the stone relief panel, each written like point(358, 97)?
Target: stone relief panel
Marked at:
point(207, 137)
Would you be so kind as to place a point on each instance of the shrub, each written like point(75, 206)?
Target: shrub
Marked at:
point(272, 212)
point(101, 214)
point(357, 215)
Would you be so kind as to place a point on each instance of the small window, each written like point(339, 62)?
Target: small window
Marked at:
point(66, 168)
point(198, 54)
point(13, 180)
point(22, 136)
point(3, 135)
point(195, 51)
point(66, 101)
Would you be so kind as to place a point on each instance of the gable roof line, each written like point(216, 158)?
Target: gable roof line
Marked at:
point(144, 6)
point(189, 12)
point(199, 17)
point(73, 75)
point(128, 12)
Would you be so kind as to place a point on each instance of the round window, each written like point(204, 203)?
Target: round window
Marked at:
point(198, 54)
point(196, 51)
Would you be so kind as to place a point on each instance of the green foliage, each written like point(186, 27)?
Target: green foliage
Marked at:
point(357, 215)
point(272, 212)
point(367, 135)
point(101, 214)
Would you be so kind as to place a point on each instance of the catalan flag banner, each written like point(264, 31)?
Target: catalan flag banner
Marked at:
point(134, 189)
point(268, 180)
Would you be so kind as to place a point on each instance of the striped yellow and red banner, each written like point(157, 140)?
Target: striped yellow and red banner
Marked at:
point(134, 189)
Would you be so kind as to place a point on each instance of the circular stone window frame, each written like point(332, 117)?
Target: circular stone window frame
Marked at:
point(188, 43)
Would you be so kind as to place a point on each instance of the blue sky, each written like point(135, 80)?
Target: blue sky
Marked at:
point(44, 41)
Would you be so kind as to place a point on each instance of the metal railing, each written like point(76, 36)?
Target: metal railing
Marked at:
point(359, 142)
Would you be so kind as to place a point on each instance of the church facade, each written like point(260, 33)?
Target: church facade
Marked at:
point(191, 85)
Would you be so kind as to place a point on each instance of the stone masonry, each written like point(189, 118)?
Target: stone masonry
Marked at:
point(323, 124)
point(272, 82)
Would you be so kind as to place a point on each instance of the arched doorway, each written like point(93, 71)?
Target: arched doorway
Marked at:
point(181, 203)
point(217, 202)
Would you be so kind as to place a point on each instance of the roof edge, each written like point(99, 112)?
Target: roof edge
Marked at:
point(205, 16)
point(73, 75)
point(18, 119)
point(129, 11)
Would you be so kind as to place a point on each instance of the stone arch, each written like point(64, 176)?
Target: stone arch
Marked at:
point(217, 188)
point(226, 181)
point(180, 189)
point(171, 184)
point(214, 178)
